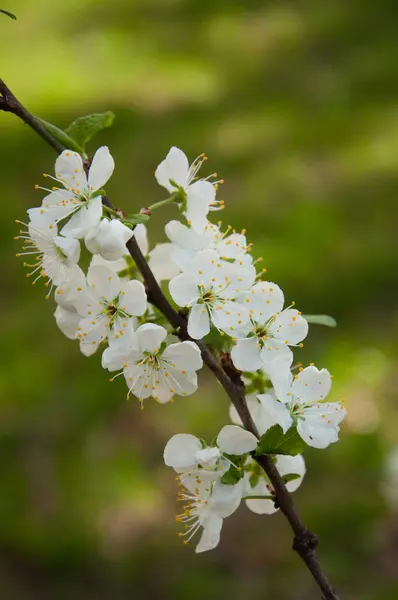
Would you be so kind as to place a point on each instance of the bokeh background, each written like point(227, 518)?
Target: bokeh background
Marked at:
point(295, 103)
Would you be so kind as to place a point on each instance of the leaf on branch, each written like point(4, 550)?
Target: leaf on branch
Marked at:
point(84, 128)
point(9, 14)
point(290, 477)
point(321, 320)
point(62, 137)
point(274, 441)
point(135, 219)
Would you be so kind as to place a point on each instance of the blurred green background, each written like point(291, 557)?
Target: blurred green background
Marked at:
point(295, 103)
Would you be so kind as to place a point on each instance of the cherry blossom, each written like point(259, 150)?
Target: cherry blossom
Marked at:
point(208, 290)
point(300, 400)
point(107, 307)
point(80, 195)
point(151, 368)
point(54, 255)
point(196, 196)
point(270, 330)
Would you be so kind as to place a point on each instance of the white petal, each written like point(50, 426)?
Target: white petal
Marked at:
point(246, 355)
point(276, 412)
point(183, 289)
point(200, 195)
point(184, 355)
point(161, 263)
point(69, 169)
point(91, 334)
point(198, 322)
point(75, 284)
point(289, 326)
point(235, 440)
point(180, 452)
point(141, 235)
point(265, 299)
point(70, 248)
point(101, 169)
point(84, 220)
point(287, 465)
point(174, 167)
point(225, 499)
point(185, 236)
point(260, 507)
point(319, 425)
point(211, 534)
point(67, 321)
point(151, 337)
point(109, 239)
point(103, 282)
point(133, 297)
point(312, 385)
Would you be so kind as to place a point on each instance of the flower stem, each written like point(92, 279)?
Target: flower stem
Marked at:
point(163, 202)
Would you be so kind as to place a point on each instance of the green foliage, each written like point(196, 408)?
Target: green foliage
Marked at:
point(235, 472)
point(290, 477)
point(274, 441)
point(62, 137)
point(8, 13)
point(85, 128)
point(321, 320)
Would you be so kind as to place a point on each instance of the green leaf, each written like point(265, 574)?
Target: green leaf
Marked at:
point(84, 128)
point(9, 14)
point(274, 441)
point(134, 219)
point(62, 137)
point(290, 477)
point(321, 320)
point(235, 471)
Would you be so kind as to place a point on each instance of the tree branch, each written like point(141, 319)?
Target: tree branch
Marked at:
point(305, 542)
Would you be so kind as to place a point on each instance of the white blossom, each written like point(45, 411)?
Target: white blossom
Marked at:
point(54, 255)
point(270, 330)
point(107, 307)
point(205, 507)
point(79, 197)
point(186, 242)
point(152, 369)
point(286, 465)
point(187, 454)
point(301, 401)
point(208, 290)
point(108, 239)
point(197, 196)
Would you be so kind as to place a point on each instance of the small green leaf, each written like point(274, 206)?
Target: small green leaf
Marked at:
point(62, 137)
point(9, 14)
point(274, 441)
point(84, 128)
point(290, 477)
point(235, 471)
point(134, 219)
point(321, 320)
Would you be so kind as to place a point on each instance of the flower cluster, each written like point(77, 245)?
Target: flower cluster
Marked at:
point(219, 289)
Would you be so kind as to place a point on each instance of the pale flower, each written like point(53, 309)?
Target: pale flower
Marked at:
point(153, 369)
point(108, 239)
point(186, 242)
point(81, 197)
point(206, 507)
point(301, 401)
point(187, 454)
point(208, 290)
point(54, 255)
point(107, 306)
point(196, 196)
point(270, 330)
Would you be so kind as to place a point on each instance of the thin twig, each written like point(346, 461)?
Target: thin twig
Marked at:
point(305, 542)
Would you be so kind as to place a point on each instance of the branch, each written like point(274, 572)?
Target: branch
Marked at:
point(305, 542)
